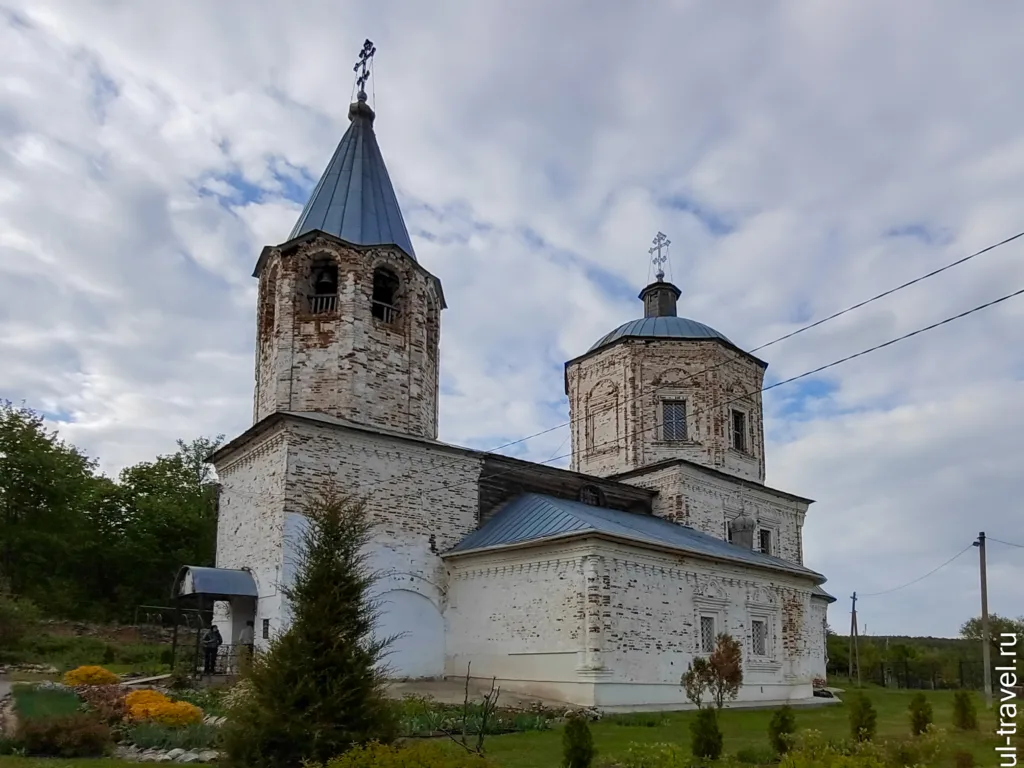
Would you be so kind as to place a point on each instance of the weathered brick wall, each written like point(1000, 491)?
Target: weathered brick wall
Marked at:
point(563, 617)
point(653, 608)
point(348, 363)
point(250, 524)
point(705, 501)
point(615, 400)
point(516, 615)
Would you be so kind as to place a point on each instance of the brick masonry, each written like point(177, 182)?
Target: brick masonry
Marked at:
point(616, 392)
point(589, 621)
point(346, 362)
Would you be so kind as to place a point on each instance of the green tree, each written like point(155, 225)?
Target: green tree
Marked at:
point(43, 482)
point(319, 688)
point(997, 625)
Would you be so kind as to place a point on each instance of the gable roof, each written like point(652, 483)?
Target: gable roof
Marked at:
point(534, 518)
point(354, 199)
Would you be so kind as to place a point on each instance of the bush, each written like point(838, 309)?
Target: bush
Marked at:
point(577, 744)
point(654, 756)
point(17, 616)
point(105, 701)
point(90, 675)
point(418, 755)
point(320, 687)
point(79, 735)
point(706, 735)
point(154, 706)
point(965, 713)
point(635, 720)
point(863, 718)
point(150, 735)
point(920, 714)
point(756, 756)
point(781, 728)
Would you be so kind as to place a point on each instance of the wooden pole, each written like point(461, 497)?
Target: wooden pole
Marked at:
point(986, 638)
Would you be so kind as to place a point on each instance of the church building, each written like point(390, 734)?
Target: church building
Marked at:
point(594, 585)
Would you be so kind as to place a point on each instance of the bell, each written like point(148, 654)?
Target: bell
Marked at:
point(324, 279)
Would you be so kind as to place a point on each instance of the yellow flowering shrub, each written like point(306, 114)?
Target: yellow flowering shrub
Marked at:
point(154, 706)
point(90, 675)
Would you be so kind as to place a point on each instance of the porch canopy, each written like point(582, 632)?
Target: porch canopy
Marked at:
point(213, 583)
point(203, 585)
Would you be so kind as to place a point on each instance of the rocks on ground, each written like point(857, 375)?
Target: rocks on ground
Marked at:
point(134, 754)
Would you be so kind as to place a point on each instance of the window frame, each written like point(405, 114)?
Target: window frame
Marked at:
point(674, 402)
point(772, 538)
point(765, 652)
point(733, 413)
point(713, 618)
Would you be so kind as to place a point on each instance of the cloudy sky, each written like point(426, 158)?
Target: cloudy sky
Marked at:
point(801, 157)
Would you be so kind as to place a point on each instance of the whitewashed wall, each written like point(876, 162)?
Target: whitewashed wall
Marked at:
point(250, 526)
point(613, 625)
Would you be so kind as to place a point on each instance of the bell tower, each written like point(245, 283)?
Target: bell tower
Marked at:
point(348, 321)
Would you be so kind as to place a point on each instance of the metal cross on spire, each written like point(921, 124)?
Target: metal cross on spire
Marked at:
point(659, 258)
point(362, 66)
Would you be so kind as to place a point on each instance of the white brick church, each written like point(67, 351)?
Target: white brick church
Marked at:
point(595, 585)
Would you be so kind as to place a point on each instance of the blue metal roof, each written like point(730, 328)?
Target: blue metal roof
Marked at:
point(819, 592)
point(660, 328)
point(533, 517)
point(225, 582)
point(354, 199)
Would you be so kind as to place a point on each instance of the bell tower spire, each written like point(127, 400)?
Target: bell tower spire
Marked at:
point(349, 321)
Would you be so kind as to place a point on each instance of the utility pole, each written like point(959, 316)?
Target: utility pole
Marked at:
point(854, 645)
point(986, 640)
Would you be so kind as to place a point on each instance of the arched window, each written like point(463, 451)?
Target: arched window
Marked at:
point(324, 286)
point(385, 295)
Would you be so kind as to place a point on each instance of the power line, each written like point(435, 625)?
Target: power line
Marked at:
point(657, 424)
point(1007, 543)
point(920, 578)
point(790, 335)
point(749, 394)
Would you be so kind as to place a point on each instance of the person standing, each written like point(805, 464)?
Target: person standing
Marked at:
point(247, 641)
point(212, 642)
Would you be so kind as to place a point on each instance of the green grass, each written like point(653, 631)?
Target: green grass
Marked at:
point(66, 652)
point(746, 729)
point(743, 729)
point(30, 704)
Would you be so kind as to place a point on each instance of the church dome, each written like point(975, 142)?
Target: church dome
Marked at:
point(670, 327)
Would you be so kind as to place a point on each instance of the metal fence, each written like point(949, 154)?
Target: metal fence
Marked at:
point(226, 660)
point(924, 675)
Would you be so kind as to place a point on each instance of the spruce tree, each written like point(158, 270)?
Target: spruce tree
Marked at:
point(320, 687)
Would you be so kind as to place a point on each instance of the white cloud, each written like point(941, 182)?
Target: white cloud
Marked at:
point(792, 138)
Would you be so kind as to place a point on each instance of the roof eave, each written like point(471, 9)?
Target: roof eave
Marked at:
point(593, 534)
point(616, 342)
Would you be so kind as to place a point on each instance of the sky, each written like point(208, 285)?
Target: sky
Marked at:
point(801, 157)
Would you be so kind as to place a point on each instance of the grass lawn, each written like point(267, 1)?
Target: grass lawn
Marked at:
point(31, 704)
point(742, 728)
point(749, 728)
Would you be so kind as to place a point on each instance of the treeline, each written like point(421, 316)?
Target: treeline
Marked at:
point(943, 659)
point(80, 545)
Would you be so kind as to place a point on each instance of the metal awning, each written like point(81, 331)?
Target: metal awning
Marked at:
point(214, 583)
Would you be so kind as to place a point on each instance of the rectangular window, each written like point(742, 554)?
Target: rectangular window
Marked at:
point(266, 629)
point(728, 531)
point(764, 541)
point(759, 637)
point(673, 420)
point(739, 430)
point(707, 634)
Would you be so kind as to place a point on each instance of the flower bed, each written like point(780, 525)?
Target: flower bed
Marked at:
point(94, 719)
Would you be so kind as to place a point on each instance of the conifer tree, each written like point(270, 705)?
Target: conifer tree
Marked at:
point(320, 687)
